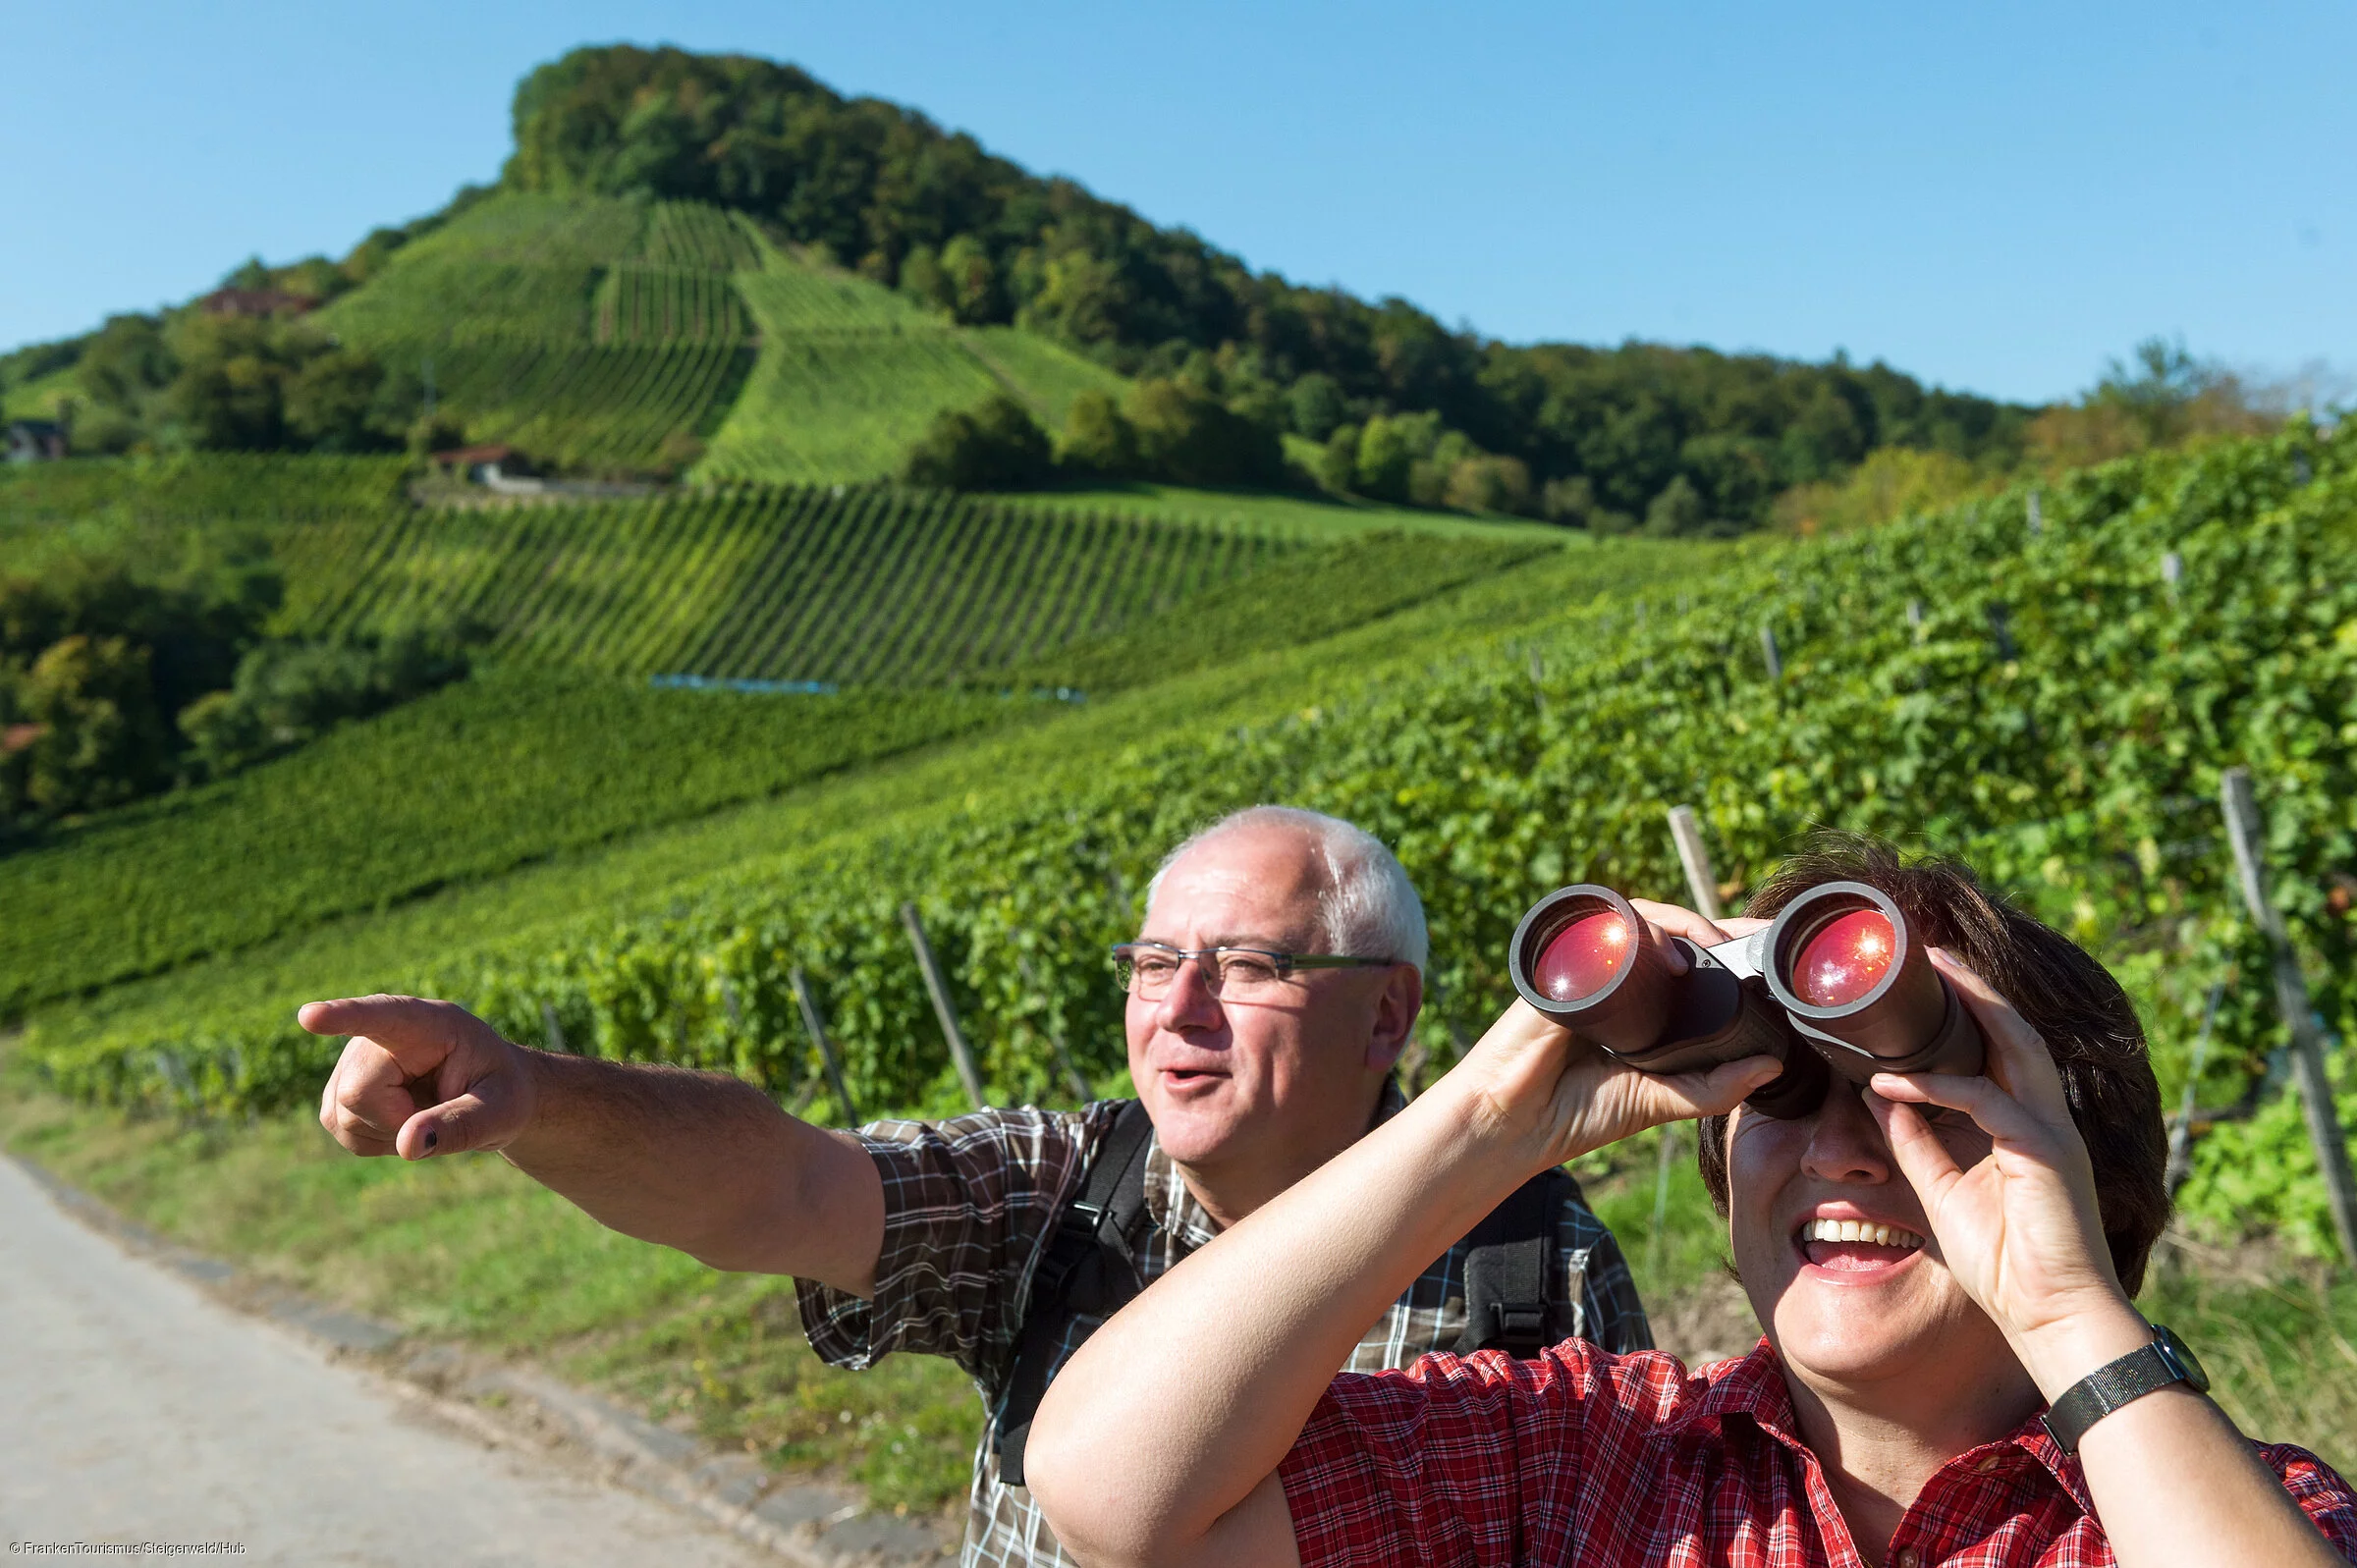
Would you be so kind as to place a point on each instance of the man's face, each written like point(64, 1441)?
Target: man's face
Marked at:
point(1859, 1311)
point(1230, 1080)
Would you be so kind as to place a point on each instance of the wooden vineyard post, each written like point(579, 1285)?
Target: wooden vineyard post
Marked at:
point(939, 989)
point(1072, 1075)
point(1686, 831)
point(2172, 572)
point(552, 1029)
point(825, 1048)
point(1775, 660)
point(2291, 998)
point(2001, 629)
point(1915, 618)
point(2180, 1137)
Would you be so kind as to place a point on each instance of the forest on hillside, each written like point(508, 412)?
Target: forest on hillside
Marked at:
point(1239, 377)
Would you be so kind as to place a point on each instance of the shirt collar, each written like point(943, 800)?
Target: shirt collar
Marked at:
point(1753, 1387)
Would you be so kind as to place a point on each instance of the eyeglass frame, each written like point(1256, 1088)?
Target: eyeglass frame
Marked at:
point(1284, 964)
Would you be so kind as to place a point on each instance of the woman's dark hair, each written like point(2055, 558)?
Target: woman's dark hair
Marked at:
point(2081, 1012)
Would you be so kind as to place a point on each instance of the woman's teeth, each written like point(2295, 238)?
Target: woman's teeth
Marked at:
point(1872, 1235)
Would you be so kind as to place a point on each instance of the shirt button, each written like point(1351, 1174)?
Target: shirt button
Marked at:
point(1991, 1465)
point(1905, 1557)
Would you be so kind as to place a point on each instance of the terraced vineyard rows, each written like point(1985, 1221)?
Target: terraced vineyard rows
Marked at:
point(670, 305)
point(850, 374)
point(689, 234)
point(485, 775)
point(808, 584)
point(597, 335)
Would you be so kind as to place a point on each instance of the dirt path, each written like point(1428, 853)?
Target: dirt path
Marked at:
point(134, 1407)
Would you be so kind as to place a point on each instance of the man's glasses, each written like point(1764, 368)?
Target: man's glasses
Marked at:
point(1146, 969)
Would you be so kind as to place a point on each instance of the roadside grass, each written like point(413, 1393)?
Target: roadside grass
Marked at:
point(469, 1250)
point(473, 1251)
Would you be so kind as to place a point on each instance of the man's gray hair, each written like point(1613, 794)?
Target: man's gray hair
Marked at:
point(1368, 908)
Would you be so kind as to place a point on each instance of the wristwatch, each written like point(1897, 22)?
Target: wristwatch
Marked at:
point(2166, 1360)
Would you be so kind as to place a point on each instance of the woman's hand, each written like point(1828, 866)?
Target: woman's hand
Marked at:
point(1554, 1096)
point(2019, 1227)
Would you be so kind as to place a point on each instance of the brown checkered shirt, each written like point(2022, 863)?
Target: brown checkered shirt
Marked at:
point(970, 1208)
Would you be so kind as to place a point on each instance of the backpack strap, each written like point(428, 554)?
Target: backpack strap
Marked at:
point(1088, 1267)
point(1509, 1266)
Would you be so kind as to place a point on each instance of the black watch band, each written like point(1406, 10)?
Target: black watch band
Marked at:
point(2166, 1360)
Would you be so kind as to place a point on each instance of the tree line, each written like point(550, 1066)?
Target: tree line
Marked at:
point(1374, 398)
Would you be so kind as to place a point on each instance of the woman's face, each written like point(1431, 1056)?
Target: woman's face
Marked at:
point(1838, 1257)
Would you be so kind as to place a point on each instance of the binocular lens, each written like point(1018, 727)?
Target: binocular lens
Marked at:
point(1845, 958)
point(1583, 958)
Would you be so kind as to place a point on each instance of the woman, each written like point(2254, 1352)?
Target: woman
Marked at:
point(1935, 1259)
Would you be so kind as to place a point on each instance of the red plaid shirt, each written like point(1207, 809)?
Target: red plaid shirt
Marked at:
point(1584, 1457)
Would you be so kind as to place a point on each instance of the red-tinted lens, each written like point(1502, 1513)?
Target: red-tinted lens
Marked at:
point(1845, 958)
point(1584, 956)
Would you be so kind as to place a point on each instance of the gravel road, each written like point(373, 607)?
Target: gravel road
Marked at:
point(136, 1408)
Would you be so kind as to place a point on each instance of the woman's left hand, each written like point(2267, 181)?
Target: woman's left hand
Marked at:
point(2018, 1228)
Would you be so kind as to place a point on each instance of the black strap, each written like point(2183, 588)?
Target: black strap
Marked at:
point(2166, 1360)
point(1089, 1267)
point(1512, 1259)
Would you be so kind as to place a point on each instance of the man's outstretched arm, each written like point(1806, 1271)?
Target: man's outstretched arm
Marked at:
point(695, 1161)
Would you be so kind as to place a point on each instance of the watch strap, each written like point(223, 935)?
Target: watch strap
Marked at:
point(2107, 1388)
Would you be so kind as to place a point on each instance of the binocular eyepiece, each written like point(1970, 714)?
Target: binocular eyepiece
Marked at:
point(1835, 984)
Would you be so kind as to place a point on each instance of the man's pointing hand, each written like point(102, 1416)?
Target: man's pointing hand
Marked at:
point(419, 1078)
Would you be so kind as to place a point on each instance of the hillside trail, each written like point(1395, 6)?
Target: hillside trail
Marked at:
point(136, 1408)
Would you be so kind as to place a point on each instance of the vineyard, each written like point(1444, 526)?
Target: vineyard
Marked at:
point(471, 782)
point(608, 336)
point(527, 763)
point(37, 500)
point(857, 587)
point(2056, 708)
point(849, 375)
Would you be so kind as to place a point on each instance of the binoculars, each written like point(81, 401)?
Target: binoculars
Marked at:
point(1835, 983)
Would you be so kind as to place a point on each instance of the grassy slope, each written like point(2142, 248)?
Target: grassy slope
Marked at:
point(39, 399)
point(850, 373)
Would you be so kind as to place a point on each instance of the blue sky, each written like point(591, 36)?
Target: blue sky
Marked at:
point(1995, 197)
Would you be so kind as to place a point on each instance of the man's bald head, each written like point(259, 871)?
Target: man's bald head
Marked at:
point(1366, 907)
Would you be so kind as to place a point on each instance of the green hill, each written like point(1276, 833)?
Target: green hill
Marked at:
point(621, 335)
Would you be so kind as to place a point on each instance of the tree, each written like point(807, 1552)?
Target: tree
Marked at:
point(1487, 483)
point(1185, 435)
point(973, 281)
point(333, 404)
point(1315, 406)
point(1676, 512)
point(101, 741)
point(1098, 438)
point(996, 447)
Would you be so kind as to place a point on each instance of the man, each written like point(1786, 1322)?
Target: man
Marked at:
point(1936, 1258)
point(1274, 985)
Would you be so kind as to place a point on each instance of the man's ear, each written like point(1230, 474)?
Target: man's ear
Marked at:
point(1396, 1009)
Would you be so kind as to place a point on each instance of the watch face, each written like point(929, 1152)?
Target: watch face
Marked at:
point(2180, 1357)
